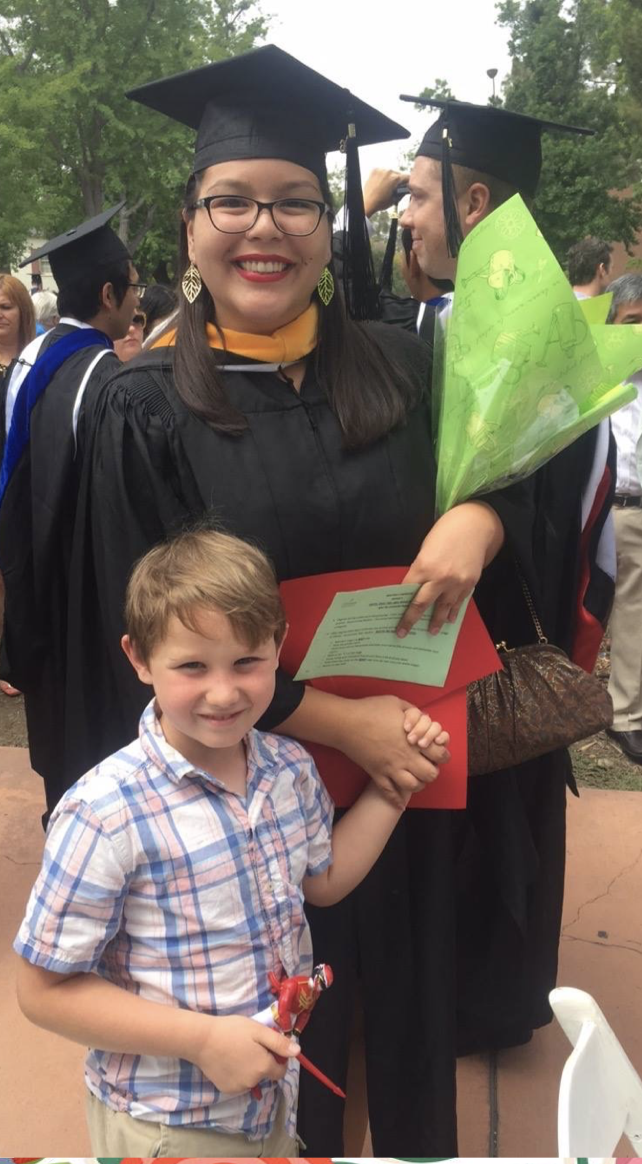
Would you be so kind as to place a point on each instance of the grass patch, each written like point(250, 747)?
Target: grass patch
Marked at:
point(599, 763)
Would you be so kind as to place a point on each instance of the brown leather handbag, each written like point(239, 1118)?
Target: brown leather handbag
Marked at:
point(539, 702)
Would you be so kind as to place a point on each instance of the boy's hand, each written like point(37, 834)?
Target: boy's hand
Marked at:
point(422, 730)
point(237, 1053)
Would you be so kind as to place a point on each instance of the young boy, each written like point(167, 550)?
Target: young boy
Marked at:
point(175, 873)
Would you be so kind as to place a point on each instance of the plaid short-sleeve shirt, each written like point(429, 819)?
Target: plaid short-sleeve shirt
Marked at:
point(160, 880)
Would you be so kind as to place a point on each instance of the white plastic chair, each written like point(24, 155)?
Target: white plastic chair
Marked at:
point(600, 1097)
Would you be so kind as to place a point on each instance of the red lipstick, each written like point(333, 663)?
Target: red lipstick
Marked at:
point(261, 275)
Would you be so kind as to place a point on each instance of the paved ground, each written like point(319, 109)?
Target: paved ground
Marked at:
point(13, 728)
point(507, 1109)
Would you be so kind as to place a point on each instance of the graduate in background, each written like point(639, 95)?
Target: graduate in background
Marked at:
point(512, 835)
point(50, 394)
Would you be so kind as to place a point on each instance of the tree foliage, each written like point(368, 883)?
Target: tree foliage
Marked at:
point(441, 90)
point(579, 62)
point(71, 143)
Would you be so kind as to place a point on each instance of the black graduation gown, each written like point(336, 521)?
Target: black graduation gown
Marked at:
point(289, 485)
point(36, 525)
point(559, 487)
point(399, 310)
point(512, 837)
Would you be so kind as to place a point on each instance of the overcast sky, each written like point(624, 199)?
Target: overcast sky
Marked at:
point(379, 50)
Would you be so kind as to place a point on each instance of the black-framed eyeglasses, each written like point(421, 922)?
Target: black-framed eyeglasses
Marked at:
point(233, 214)
point(139, 287)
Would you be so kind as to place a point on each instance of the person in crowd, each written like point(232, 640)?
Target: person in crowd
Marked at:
point(132, 344)
point(36, 283)
point(625, 683)
point(589, 267)
point(589, 263)
point(200, 840)
point(48, 403)
point(160, 304)
point(271, 411)
point(45, 306)
point(512, 835)
point(428, 295)
point(17, 329)
point(414, 312)
point(17, 324)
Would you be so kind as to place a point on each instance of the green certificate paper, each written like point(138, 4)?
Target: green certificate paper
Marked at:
point(357, 637)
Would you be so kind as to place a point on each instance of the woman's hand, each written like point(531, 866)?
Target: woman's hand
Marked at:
point(450, 561)
point(375, 738)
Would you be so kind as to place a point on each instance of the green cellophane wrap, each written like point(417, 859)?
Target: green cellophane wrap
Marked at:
point(522, 367)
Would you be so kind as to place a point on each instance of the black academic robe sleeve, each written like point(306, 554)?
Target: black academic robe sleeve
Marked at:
point(137, 489)
point(500, 593)
point(133, 494)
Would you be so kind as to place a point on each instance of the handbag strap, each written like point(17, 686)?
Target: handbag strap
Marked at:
point(542, 639)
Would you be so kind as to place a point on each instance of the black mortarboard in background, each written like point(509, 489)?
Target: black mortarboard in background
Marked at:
point(80, 250)
point(267, 104)
point(487, 138)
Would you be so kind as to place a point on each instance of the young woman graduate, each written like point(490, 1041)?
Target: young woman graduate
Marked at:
point(273, 414)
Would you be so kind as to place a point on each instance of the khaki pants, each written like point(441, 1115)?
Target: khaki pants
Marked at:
point(625, 685)
point(114, 1133)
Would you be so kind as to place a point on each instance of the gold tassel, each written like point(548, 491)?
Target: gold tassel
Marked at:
point(325, 286)
point(192, 283)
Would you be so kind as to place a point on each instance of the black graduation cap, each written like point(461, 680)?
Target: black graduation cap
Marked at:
point(267, 104)
point(79, 250)
point(488, 138)
point(265, 100)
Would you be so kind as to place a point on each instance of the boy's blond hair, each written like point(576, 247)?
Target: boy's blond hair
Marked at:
point(203, 570)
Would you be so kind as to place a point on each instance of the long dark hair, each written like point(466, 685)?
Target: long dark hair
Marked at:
point(368, 393)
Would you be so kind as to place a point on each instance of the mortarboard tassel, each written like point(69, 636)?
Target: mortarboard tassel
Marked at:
point(454, 236)
point(359, 281)
point(385, 278)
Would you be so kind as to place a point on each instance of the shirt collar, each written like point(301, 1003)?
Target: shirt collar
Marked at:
point(71, 321)
point(261, 756)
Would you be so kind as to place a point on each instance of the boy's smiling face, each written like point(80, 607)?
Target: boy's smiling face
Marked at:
point(210, 686)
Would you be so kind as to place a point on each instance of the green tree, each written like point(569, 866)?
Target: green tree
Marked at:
point(441, 90)
point(564, 55)
point(71, 142)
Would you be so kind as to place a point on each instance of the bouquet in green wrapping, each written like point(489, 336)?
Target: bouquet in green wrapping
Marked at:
point(522, 367)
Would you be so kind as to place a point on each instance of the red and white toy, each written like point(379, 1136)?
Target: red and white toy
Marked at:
point(290, 1013)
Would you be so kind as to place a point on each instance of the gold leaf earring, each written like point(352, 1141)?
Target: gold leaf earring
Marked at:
point(191, 283)
point(325, 286)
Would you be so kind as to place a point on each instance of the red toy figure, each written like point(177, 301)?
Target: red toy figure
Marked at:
point(296, 998)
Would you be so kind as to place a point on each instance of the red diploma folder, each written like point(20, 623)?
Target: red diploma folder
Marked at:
point(306, 601)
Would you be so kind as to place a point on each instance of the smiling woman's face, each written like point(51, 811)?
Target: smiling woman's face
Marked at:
point(263, 278)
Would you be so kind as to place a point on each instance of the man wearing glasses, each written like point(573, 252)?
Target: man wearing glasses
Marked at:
point(56, 382)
